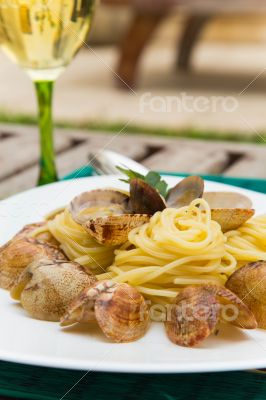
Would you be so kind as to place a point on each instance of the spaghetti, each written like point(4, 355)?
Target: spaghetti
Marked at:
point(77, 244)
point(178, 247)
point(248, 243)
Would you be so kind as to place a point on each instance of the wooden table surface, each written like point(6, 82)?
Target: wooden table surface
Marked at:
point(19, 154)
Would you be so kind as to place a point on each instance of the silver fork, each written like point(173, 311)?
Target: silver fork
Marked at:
point(105, 163)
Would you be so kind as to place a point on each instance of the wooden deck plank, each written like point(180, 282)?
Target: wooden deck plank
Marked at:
point(19, 154)
point(66, 162)
point(188, 159)
point(128, 146)
point(251, 165)
point(19, 182)
point(26, 146)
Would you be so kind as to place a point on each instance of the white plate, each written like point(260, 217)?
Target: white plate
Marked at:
point(28, 341)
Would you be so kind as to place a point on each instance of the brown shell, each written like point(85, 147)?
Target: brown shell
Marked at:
point(119, 309)
point(249, 284)
point(122, 313)
point(237, 313)
point(197, 310)
point(188, 327)
point(229, 209)
point(47, 287)
point(101, 201)
point(144, 199)
point(114, 230)
point(25, 232)
point(185, 192)
point(16, 255)
point(231, 219)
point(82, 308)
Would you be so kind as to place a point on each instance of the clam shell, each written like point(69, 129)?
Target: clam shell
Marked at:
point(227, 200)
point(185, 192)
point(197, 310)
point(249, 284)
point(25, 232)
point(145, 199)
point(98, 203)
point(237, 313)
point(229, 209)
point(119, 309)
point(114, 230)
point(231, 219)
point(47, 287)
point(122, 313)
point(194, 316)
point(82, 308)
point(16, 255)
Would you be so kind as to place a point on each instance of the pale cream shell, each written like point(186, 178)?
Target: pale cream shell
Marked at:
point(47, 287)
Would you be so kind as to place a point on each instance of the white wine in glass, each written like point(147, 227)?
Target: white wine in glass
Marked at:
point(42, 37)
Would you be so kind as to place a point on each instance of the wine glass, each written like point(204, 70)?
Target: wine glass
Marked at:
point(43, 36)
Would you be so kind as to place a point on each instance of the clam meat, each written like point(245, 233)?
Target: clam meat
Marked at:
point(109, 215)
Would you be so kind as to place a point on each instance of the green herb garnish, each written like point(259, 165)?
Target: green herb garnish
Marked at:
point(152, 178)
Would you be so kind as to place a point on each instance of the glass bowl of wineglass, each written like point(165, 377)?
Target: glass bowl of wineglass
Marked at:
point(42, 37)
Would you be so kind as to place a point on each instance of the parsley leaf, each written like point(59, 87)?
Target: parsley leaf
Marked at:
point(152, 178)
point(130, 174)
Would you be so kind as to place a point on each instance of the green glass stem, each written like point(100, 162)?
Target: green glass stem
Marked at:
point(48, 174)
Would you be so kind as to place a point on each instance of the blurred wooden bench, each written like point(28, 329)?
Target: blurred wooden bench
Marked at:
point(148, 15)
point(157, 153)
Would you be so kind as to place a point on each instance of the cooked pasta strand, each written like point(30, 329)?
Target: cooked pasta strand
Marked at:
point(78, 245)
point(176, 248)
point(248, 243)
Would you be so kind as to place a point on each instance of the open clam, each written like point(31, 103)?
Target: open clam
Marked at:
point(185, 192)
point(22, 250)
point(99, 204)
point(114, 230)
point(197, 310)
point(47, 287)
point(107, 215)
point(144, 199)
point(249, 284)
point(229, 209)
point(119, 309)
